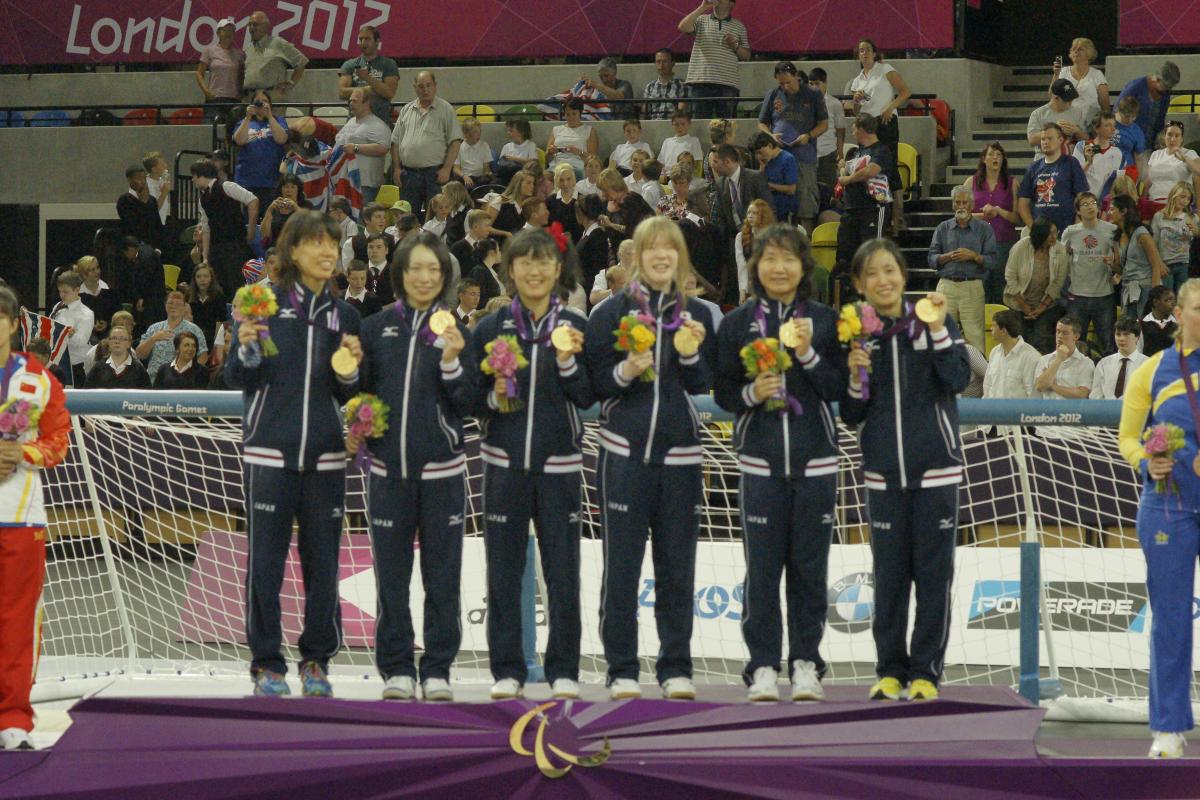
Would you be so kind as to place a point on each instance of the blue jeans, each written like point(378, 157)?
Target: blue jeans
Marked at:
point(1176, 275)
point(1100, 310)
point(419, 184)
point(708, 100)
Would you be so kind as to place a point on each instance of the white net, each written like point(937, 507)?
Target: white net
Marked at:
point(148, 552)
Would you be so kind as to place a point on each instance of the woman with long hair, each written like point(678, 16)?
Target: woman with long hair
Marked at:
point(506, 207)
point(1174, 229)
point(995, 193)
point(458, 201)
point(207, 301)
point(1140, 265)
point(759, 216)
point(290, 199)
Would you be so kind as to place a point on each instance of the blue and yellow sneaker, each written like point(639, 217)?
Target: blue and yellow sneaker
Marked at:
point(887, 689)
point(921, 689)
point(270, 684)
point(313, 680)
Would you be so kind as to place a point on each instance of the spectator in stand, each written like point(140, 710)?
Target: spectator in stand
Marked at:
point(518, 151)
point(994, 194)
point(1100, 157)
point(562, 203)
point(625, 209)
point(1159, 325)
point(139, 279)
point(478, 226)
point(468, 302)
point(71, 311)
point(121, 319)
point(158, 181)
point(119, 370)
point(1011, 364)
point(1051, 183)
point(592, 167)
point(695, 183)
point(288, 200)
point(357, 293)
point(963, 252)
point(622, 153)
point(684, 202)
point(666, 93)
point(506, 207)
point(543, 182)
point(96, 294)
point(759, 217)
point(183, 371)
point(612, 280)
point(1129, 136)
point(572, 142)
point(783, 178)
point(643, 182)
point(373, 72)
point(261, 137)
point(1092, 275)
point(1089, 82)
point(157, 346)
point(377, 262)
point(1037, 267)
point(1114, 371)
point(1153, 94)
point(40, 349)
point(374, 220)
point(1140, 265)
point(458, 205)
point(228, 217)
point(592, 247)
point(268, 59)
point(1065, 373)
point(1063, 111)
point(473, 166)
point(610, 85)
point(425, 143)
point(207, 301)
point(437, 217)
point(682, 142)
point(879, 90)
point(1175, 228)
point(220, 160)
point(221, 71)
point(720, 43)
point(865, 218)
point(535, 214)
point(138, 211)
point(1168, 166)
point(487, 270)
point(795, 117)
point(830, 143)
point(368, 137)
point(342, 213)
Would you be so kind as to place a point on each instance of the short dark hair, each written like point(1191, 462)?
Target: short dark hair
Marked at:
point(590, 206)
point(69, 277)
point(179, 337)
point(789, 238)
point(1155, 294)
point(378, 237)
point(134, 169)
point(484, 247)
point(1071, 322)
point(371, 209)
point(203, 169)
point(762, 140)
point(729, 152)
point(466, 284)
point(1010, 319)
point(666, 50)
point(530, 206)
point(869, 249)
point(575, 103)
point(520, 125)
point(1128, 325)
point(38, 347)
point(681, 113)
point(631, 120)
point(356, 265)
point(785, 67)
point(1039, 232)
point(818, 74)
point(1054, 126)
point(341, 204)
point(403, 255)
point(867, 123)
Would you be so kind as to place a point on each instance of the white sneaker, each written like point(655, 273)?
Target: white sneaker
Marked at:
point(624, 689)
point(565, 689)
point(765, 686)
point(437, 690)
point(679, 688)
point(506, 689)
point(806, 683)
point(1166, 745)
point(16, 739)
point(399, 687)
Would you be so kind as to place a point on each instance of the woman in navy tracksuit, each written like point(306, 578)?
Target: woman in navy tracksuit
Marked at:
point(788, 460)
point(650, 460)
point(294, 454)
point(533, 463)
point(418, 468)
point(912, 466)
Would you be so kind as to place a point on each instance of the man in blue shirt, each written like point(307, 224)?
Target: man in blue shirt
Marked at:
point(794, 116)
point(782, 175)
point(1051, 183)
point(1153, 93)
point(1129, 136)
point(963, 251)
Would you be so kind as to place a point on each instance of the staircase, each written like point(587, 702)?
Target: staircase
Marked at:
point(1023, 91)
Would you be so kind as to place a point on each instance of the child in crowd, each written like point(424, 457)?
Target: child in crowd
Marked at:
point(622, 153)
point(592, 166)
point(357, 293)
point(474, 163)
point(682, 142)
point(518, 151)
point(640, 182)
point(1174, 227)
point(439, 213)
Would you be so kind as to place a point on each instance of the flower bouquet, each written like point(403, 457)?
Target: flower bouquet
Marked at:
point(858, 323)
point(1164, 439)
point(16, 417)
point(635, 334)
point(255, 303)
point(767, 355)
point(366, 418)
point(504, 358)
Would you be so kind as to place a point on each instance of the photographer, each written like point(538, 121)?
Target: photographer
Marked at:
point(290, 198)
point(261, 137)
point(1100, 156)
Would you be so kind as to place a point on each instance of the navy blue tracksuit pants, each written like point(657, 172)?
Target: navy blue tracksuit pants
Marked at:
point(274, 499)
point(637, 499)
point(512, 499)
point(787, 527)
point(398, 508)
point(912, 542)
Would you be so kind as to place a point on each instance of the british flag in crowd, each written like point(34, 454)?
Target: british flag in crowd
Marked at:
point(35, 326)
point(1045, 188)
point(332, 172)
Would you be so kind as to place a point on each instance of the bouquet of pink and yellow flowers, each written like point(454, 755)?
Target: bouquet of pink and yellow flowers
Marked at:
point(366, 418)
point(768, 355)
point(857, 325)
point(1164, 439)
point(17, 416)
point(505, 358)
point(257, 303)
point(635, 334)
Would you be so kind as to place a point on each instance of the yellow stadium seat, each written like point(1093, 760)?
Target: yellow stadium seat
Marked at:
point(170, 275)
point(907, 166)
point(388, 194)
point(990, 310)
point(1184, 104)
point(824, 244)
point(480, 111)
point(541, 157)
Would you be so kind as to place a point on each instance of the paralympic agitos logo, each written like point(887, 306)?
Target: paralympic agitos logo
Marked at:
point(543, 749)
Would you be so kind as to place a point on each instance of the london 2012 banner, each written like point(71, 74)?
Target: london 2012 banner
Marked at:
point(158, 31)
point(1158, 23)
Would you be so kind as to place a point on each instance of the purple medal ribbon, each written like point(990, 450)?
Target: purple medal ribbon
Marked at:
point(519, 320)
point(792, 404)
point(639, 296)
point(427, 336)
point(335, 323)
point(907, 320)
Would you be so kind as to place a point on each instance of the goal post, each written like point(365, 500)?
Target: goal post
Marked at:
point(147, 554)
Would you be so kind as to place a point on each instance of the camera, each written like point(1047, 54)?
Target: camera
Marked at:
point(259, 104)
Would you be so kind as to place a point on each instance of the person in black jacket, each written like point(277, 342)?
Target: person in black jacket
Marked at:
point(418, 468)
point(651, 458)
point(912, 466)
point(624, 211)
point(487, 271)
point(788, 459)
point(533, 463)
point(120, 370)
point(138, 210)
point(294, 451)
point(592, 248)
point(183, 371)
point(207, 301)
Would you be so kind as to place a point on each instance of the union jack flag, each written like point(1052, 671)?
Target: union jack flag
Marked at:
point(594, 105)
point(332, 172)
point(35, 326)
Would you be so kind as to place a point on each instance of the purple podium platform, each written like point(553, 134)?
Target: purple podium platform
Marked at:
point(972, 743)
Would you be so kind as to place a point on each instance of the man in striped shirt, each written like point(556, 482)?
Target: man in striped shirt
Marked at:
point(721, 42)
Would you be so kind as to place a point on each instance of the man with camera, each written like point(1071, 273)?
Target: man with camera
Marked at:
point(368, 137)
point(1100, 158)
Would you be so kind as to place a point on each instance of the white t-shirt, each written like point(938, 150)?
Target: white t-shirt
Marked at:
point(1165, 170)
point(1090, 276)
point(1088, 88)
point(622, 152)
point(875, 85)
point(650, 190)
point(566, 136)
point(472, 158)
point(827, 141)
point(1078, 370)
point(1103, 171)
point(1043, 115)
point(672, 146)
point(370, 130)
point(1011, 374)
point(526, 149)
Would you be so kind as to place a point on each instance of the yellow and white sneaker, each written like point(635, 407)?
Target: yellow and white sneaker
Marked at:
point(1167, 745)
point(921, 689)
point(887, 689)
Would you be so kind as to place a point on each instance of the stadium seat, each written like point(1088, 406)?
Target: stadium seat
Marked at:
point(1184, 104)
point(990, 310)
point(186, 116)
point(820, 284)
point(908, 159)
point(388, 194)
point(334, 115)
point(141, 116)
point(480, 111)
point(171, 275)
point(541, 157)
point(525, 112)
point(294, 112)
point(824, 244)
point(49, 118)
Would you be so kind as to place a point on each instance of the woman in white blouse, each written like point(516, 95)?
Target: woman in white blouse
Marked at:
point(573, 141)
point(1088, 81)
point(879, 91)
point(1166, 167)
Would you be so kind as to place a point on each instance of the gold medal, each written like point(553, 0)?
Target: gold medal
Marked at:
point(1196, 465)
point(441, 321)
point(343, 362)
point(686, 342)
point(562, 339)
point(927, 312)
point(789, 333)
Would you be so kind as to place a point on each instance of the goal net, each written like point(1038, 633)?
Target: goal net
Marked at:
point(148, 548)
